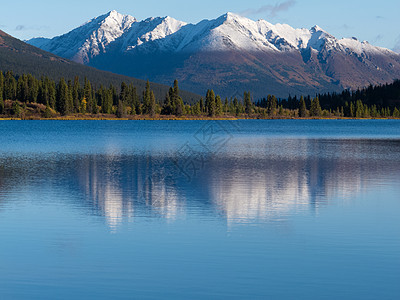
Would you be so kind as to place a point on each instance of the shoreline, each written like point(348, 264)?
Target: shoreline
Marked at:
point(173, 118)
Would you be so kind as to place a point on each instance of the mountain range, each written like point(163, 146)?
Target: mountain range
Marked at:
point(23, 58)
point(230, 54)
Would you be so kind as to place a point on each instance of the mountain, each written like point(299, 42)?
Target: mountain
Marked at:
point(22, 58)
point(230, 54)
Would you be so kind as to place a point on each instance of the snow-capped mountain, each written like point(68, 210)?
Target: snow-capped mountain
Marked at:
point(230, 53)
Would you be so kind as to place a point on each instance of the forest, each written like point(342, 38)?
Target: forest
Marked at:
point(28, 97)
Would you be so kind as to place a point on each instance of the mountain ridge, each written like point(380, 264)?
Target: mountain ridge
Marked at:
point(279, 57)
point(22, 58)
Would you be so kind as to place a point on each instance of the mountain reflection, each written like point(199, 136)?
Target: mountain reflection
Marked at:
point(241, 185)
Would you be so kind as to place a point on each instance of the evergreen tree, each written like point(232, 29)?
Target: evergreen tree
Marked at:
point(87, 95)
point(302, 108)
point(197, 109)
point(247, 102)
point(210, 103)
point(33, 88)
point(177, 102)
point(352, 112)
point(22, 88)
point(107, 102)
point(167, 106)
point(120, 110)
point(146, 98)
point(280, 112)
point(70, 101)
point(236, 106)
point(10, 86)
point(218, 106)
point(52, 93)
point(226, 106)
point(75, 94)
point(16, 109)
point(272, 103)
point(47, 112)
point(62, 97)
point(315, 109)
point(202, 110)
point(396, 113)
point(152, 104)
point(123, 95)
point(359, 109)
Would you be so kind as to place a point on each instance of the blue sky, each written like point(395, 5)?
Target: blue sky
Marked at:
point(375, 21)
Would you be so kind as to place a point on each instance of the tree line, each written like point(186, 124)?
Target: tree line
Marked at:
point(381, 101)
point(70, 97)
point(66, 97)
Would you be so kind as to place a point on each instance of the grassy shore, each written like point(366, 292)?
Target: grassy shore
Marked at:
point(105, 117)
point(35, 111)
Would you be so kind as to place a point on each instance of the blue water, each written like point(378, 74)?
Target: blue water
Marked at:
point(200, 210)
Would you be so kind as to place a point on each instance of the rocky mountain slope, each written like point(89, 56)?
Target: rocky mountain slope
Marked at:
point(230, 54)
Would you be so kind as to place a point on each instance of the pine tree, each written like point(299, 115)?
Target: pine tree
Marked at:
point(16, 109)
point(152, 104)
point(75, 94)
point(359, 109)
point(167, 106)
point(177, 102)
point(218, 106)
point(202, 110)
point(10, 86)
point(247, 103)
point(47, 112)
point(107, 102)
point(87, 95)
point(120, 110)
point(146, 98)
point(396, 113)
point(62, 97)
point(22, 88)
point(351, 111)
point(226, 106)
point(236, 106)
point(197, 109)
point(210, 103)
point(302, 108)
point(315, 110)
point(70, 101)
point(123, 95)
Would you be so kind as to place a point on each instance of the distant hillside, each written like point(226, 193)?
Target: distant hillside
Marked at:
point(386, 95)
point(22, 58)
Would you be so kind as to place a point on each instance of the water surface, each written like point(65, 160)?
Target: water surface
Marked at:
point(196, 209)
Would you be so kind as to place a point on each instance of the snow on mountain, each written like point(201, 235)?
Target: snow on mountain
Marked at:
point(88, 40)
point(232, 51)
point(228, 32)
point(148, 30)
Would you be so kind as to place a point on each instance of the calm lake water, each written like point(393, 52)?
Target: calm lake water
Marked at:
point(200, 210)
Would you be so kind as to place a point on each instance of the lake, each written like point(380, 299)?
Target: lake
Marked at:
point(250, 209)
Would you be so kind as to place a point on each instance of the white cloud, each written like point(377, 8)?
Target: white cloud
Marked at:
point(272, 10)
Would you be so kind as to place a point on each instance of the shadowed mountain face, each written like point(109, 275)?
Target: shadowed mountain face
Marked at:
point(230, 54)
point(22, 58)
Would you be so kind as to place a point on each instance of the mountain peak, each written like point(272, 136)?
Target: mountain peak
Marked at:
point(316, 28)
point(287, 55)
point(113, 12)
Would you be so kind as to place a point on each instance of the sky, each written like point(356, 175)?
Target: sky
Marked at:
point(377, 22)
